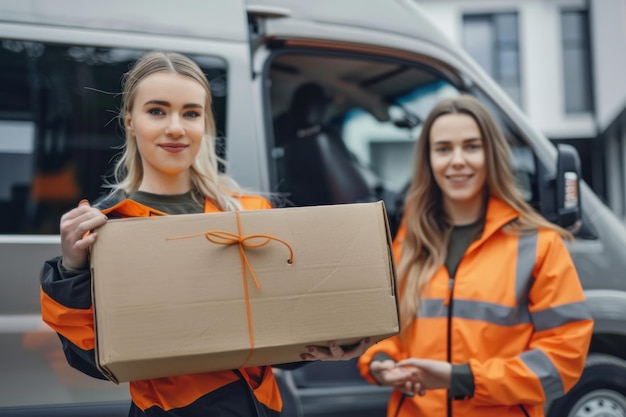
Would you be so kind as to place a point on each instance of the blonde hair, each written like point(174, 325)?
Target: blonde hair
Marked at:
point(428, 229)
point(206, 179)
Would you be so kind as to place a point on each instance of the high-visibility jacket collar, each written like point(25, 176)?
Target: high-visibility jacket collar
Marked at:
point(497, 216)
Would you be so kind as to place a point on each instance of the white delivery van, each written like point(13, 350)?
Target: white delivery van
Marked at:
point(317, 102)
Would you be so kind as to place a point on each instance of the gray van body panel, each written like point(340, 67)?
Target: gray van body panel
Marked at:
point(600, 262)
point(609, 309)
point(30, 374)
point(197, 19)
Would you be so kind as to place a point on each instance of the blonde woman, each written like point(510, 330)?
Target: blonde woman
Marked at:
point(168, 166)
point(494, 320)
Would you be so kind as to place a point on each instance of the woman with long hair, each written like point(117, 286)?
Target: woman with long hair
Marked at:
point(494, 320)
point(168, 166)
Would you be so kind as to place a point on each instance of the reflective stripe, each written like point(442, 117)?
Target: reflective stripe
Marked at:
point(548, 375)
point(491, 313)
point(476, 310)
point(506, 316)
point(433, 308)
point(561, 315)
point(526, 256)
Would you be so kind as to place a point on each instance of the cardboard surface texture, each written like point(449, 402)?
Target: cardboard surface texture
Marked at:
point(167, 307)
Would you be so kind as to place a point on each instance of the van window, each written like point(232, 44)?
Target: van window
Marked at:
point(345, 128)
point(59, 132)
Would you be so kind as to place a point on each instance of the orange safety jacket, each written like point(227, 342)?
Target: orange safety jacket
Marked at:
point(66, 307)
point(515, 311)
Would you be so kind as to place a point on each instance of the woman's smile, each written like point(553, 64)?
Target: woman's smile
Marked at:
point(459, 178)
point(173, 147)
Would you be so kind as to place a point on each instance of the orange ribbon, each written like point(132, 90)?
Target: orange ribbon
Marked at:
point(221, 237)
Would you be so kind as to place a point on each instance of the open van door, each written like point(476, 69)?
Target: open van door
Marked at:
point(61, 65)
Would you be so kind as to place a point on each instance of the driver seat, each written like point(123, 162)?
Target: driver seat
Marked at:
point(318, 167)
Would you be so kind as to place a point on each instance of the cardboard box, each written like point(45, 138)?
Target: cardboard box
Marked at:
point(168, 301)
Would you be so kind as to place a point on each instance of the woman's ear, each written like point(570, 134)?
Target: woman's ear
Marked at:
point(128, 123)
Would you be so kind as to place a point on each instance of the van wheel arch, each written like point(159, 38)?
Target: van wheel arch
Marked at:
point(601, 390)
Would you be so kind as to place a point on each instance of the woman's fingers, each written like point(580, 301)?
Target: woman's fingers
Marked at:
point(335, 352)
point(76, 233)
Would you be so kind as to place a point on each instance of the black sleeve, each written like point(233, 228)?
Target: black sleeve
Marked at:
point(82, 360)
point(72, 290)
point(462, 382)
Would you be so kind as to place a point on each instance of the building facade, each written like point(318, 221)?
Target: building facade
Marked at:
point(564, 63)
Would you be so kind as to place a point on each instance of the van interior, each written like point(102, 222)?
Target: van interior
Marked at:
point(344, 129)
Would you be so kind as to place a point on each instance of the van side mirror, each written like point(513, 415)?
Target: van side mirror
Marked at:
point(558, 196)
point(568, 173)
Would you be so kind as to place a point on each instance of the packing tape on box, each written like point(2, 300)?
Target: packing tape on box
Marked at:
point(222, 237)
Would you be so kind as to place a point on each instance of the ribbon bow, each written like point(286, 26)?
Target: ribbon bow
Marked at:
point(222, 237)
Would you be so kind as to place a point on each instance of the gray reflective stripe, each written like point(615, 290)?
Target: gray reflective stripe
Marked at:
point(432, 308)
point(526, 256)
point(476, 310)
point(506, 316)
point(491, 313)
point(540, 365)
point(558, 316)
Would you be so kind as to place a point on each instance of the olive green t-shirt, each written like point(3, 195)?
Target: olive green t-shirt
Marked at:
point(170, 204)
point(460, 239)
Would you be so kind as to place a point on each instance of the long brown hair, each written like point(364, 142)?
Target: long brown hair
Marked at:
point(428, 229)
point(205, 176)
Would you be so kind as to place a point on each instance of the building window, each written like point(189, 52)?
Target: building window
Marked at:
point(576, 61)
point(493, 41)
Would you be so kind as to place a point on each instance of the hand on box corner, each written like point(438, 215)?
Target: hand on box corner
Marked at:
point(76, 234)
point(335, 352)
point(388, 373)
point(430, 373)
